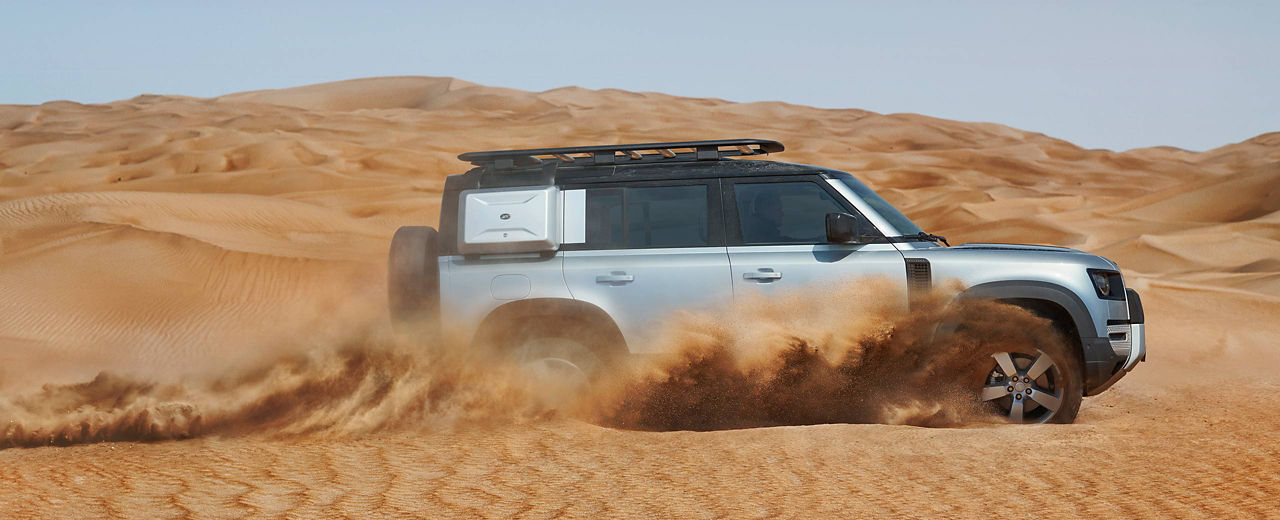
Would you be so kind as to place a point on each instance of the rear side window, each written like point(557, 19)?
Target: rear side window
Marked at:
point(640, 217)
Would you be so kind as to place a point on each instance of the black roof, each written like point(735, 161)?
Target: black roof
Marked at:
point(626, 162)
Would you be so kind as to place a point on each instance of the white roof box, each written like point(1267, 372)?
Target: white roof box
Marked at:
point(509, 220)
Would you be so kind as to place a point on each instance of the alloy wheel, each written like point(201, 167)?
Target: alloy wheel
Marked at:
point(1024, 388)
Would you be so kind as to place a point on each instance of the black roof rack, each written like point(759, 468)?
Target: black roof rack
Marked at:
point(679, 151)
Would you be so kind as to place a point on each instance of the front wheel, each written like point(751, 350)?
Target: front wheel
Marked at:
point(1033, 387)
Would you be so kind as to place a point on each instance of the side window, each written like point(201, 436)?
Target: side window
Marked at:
point(640, 217)
point(784, 212)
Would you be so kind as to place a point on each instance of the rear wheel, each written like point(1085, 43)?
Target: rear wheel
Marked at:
point(559, 368)
point(558, 365)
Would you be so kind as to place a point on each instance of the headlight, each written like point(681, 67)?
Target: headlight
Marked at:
point(1101, 283)
point(1107, 284)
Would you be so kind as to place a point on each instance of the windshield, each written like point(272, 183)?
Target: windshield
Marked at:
point(895, 218)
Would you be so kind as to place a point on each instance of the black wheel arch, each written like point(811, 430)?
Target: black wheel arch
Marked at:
point(1066, 309)
point(574, 318)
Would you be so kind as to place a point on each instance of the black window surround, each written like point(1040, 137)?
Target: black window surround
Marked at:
point(714, 222)
point(732, 221)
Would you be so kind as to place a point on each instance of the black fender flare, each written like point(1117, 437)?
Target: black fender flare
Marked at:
point(1037, 290)
point(588, 320)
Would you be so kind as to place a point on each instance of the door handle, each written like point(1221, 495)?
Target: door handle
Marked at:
point(763, 275)
point(616, 278)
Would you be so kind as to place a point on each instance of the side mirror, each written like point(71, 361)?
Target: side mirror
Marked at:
point(843, 228)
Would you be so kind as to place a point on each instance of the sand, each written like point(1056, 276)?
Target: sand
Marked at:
point(167, 240)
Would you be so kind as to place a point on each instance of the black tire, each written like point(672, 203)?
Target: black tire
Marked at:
point(413, 279)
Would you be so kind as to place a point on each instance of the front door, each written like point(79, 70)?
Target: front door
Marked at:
point(648, 248)
point(777, 239)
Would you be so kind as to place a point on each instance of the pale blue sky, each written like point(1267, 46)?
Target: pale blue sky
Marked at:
point(1112, 75)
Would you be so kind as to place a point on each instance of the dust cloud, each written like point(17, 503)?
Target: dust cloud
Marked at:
point(846, 355)
point(371, 383)
point(843, 355)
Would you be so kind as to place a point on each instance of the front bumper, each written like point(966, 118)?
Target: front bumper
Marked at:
point(1128, 341)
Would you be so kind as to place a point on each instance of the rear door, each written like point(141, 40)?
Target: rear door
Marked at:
point(647, 249)
point(777, 238)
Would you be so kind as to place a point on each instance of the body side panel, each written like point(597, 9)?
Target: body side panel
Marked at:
point(472, 287)
point(639, 287)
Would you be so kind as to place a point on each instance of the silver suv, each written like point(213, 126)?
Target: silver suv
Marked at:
point(594, 243)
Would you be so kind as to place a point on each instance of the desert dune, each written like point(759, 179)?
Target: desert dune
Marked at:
point(188, 287)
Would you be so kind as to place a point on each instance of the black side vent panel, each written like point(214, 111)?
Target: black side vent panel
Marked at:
point(919, 277)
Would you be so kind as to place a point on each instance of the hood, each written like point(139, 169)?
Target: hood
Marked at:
point(1016, 247)
point(1029, 248)
point(1018, 253)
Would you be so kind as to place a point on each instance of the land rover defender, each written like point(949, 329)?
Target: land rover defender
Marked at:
point(567, 256)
